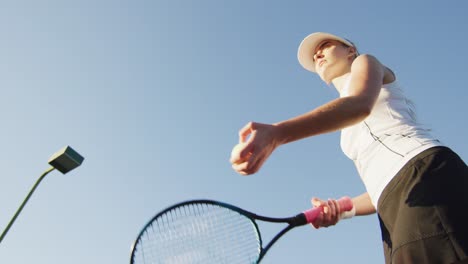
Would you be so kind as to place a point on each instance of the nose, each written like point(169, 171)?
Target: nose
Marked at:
point(318, 55)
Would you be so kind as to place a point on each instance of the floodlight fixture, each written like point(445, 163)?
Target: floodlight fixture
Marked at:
point(64, 161)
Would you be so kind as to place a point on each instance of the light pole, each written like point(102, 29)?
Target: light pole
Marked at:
point(64, 161)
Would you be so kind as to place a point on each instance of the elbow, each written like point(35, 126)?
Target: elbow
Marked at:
point(366, 111)
point(363, 112)
point(364, 106)
point(361, 107)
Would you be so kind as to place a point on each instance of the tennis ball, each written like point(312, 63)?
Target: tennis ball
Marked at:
point(235, 153)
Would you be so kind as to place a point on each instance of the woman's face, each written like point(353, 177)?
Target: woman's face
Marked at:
point(332, 59)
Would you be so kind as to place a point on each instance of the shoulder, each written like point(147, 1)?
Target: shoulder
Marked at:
point(367, 63)
point(366, 60)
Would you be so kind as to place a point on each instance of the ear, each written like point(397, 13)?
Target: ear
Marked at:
point(352, 52)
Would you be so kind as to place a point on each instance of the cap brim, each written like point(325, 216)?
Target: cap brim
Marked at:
point(305, 53)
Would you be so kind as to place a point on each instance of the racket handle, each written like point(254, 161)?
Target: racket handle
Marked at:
point(346, 205)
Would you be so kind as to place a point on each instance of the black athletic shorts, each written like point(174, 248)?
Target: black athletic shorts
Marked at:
point(423, 211)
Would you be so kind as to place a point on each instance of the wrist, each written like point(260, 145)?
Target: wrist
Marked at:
point(348, 214)
point(280, 134)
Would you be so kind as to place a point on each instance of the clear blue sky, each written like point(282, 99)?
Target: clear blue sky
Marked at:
point(153, 93)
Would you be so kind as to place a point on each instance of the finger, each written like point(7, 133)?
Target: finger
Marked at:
point(316, 202)
point(243, 168)
point(326, 209)
point(335, 213)
point(250, 166)
point(255, 163)
point(243, 173)
point(338, 208)
point(332, 207)
point(318, 221)
point(245, 131)
point(254, 159)
point(247, 151)
point(239, 167)
point(247, 165)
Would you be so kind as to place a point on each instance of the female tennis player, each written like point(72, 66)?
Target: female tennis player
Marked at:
point(416, 184)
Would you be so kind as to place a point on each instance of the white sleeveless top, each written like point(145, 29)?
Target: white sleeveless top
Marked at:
point(386, 140)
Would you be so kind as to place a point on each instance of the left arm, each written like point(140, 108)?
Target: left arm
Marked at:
point(366, 80)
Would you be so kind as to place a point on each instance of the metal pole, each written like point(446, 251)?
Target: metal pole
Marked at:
point(24, 202)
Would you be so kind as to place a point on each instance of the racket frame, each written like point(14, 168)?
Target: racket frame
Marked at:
point(298, 220)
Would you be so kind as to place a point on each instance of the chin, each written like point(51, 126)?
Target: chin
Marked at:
point(326, 79)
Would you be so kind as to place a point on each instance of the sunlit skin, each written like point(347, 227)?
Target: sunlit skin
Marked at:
point(333, 59)
point(334, 63)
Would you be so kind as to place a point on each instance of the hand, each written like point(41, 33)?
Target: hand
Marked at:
point(260, 141)
point(330, 214)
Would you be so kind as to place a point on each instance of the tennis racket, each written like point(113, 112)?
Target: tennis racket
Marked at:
point(206, 231)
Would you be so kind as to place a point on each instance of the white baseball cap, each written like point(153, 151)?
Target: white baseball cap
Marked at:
point(305, 53)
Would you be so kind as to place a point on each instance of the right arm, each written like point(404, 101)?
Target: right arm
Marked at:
point(363, 204)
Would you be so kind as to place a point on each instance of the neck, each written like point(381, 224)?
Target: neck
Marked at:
point(340, 82)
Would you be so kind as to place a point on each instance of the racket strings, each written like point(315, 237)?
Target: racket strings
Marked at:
point(199, 233)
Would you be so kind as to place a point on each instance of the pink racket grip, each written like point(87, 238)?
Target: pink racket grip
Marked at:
point(345, 205)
